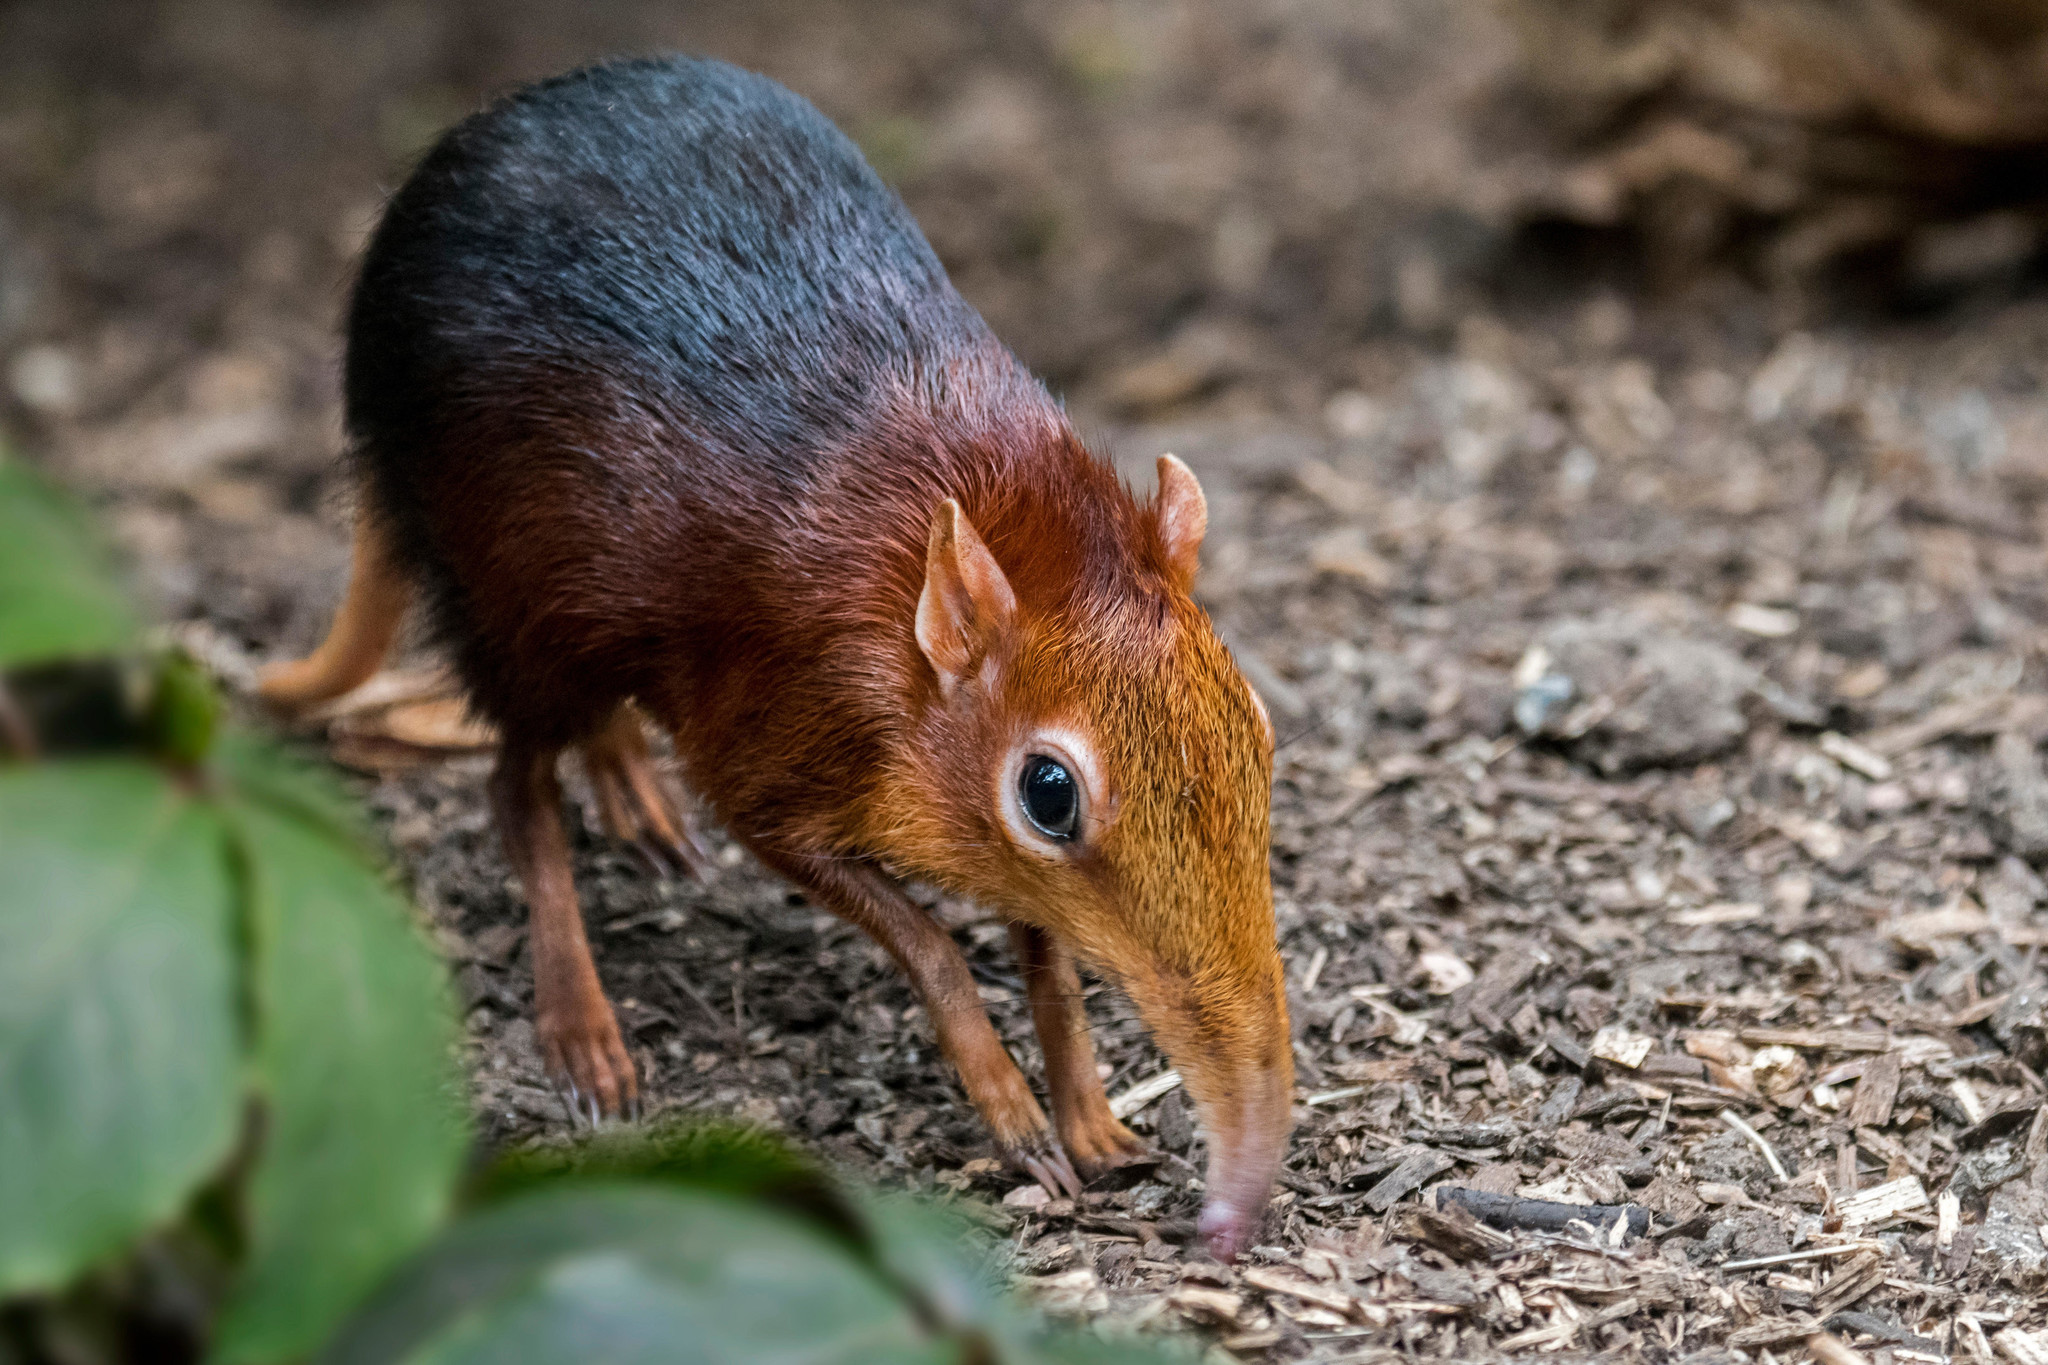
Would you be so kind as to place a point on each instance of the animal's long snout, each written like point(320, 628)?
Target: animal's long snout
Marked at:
point(1247, 1130)
point(1229, 1038)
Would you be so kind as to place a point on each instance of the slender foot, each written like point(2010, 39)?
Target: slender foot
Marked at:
point(573, 1023)
point(634, 804)
point(586, 1056)
point(861, 894)
point(1091, 1135)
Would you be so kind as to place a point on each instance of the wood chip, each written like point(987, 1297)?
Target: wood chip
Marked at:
point(1543, 1215)
point(1568, 1049)
point(2002, 1123)
point(1027, 1197)
point(1143, 1093)
point(1856, 757)
point(1939, 723)
point(1541, 1338)
point(1277, 1280)
point(1621, 1046)
point(1924, 932)
point(1412, 1174)
point(1753, 618)
point(1877, 1090)
point(1827, 1040)
point(1829, 1350)
point(1718, 1045)
point(1450, 1228)
point(1880, 1202)
point(1217, 1307)
point(1342, 1092)
point(1891, 1149)
point(1771, 1331)
point(1445, 972)
point(1850, 1283)
point(1720, 912)
point(2022, 1348)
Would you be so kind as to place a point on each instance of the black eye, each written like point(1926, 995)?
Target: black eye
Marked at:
point(1051, 801)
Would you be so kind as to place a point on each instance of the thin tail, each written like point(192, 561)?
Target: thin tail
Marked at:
point(362, 633)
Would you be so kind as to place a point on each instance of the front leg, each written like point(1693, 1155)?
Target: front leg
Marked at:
point(1091, 1134)
point(572, 1021)
point(862, 895)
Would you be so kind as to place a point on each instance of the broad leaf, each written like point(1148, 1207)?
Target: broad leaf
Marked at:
point(923, 1248)
point(58, 597)
point(120, 1054)
point(628, 1274)
point(355, 1058)
point(720, 1156)
point(286, 781)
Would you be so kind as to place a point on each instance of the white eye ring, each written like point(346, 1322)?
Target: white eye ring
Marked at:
point(1072, 755)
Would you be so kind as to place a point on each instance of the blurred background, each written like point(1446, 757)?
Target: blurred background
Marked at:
point(1609, 409)
point(1223, 210)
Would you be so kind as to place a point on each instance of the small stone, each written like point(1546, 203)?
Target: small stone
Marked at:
point(1651, 698)
point(1444, 972)
point(1770, 622)
point(1028, 1197)
point(45, 379)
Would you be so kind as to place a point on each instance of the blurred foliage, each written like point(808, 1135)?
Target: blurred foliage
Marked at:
point(202, 977)
point(231, 1110)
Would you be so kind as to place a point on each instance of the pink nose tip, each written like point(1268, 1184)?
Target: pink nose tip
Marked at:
point(1224, 1228)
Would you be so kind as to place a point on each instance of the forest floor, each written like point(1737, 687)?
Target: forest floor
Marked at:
point(1661, 689)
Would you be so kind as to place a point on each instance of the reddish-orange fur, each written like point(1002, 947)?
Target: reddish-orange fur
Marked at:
point(858, 575)
point(1171, 899)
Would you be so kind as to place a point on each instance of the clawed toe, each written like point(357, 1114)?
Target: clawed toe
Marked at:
point(591, 1069)
point(637, 811)
point(1044, 1162)
point(1098, 1149)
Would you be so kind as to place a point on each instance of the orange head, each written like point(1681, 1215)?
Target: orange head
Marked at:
point(1094, 764)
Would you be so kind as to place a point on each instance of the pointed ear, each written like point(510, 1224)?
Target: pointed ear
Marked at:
point(967, 605)
point(1183, 515)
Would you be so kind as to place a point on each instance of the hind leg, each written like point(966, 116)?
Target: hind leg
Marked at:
point(573, 1022)
point(633, 801)
point(362, 634)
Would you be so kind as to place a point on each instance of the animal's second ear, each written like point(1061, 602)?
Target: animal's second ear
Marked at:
point(967, 606)
point(1183, 516)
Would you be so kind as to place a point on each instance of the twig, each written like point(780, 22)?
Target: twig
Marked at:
point(674, 976)
point(1143, 1093)
point(1809, 1254)
point(1542, 1215)
point(1734, 1120)
point(1342, 1092)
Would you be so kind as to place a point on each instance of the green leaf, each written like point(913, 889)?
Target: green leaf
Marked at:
point(119, 1052)
point(920, 1246)
point(184, 711)
point(718, 1155)
point(355, 1056)
point(58, 596)
point(287, 781)
point(627, 1274)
